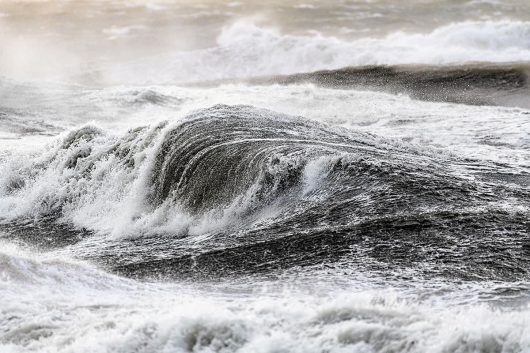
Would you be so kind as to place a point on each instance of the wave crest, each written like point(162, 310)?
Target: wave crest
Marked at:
point(236, 188)
point(247, 50)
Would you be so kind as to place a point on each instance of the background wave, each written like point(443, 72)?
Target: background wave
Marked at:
point(243, 49)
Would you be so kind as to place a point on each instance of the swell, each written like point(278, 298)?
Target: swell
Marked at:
point(504, 84)
point(235, 190)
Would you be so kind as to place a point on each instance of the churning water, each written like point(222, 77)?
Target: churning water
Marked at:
point(284, 176)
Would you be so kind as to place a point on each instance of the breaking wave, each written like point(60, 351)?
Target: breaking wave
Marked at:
point(238, 189)
point(246, 50)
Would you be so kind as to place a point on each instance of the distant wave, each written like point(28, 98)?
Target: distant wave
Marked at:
point(505, 84)
point(239, 189)
point(245, 50)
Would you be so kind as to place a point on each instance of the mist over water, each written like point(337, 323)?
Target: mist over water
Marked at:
point(168, 42)
point(283, 176)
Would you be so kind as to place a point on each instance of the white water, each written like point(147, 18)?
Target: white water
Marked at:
point(81, 309)
point(247, 47)
point(244, 49)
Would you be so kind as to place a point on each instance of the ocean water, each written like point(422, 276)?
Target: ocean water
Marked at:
point(283, 176)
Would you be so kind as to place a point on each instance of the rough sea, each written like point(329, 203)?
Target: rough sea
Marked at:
point(304, 176)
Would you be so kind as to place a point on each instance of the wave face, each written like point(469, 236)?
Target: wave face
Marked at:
point(221, 153)
point(235, 189)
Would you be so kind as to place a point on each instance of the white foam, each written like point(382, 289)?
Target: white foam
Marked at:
point(116, 32)
point(58, 306)
point(245, 49)
point(315, 171)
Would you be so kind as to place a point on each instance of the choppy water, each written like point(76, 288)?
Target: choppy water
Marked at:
point(344, 176)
